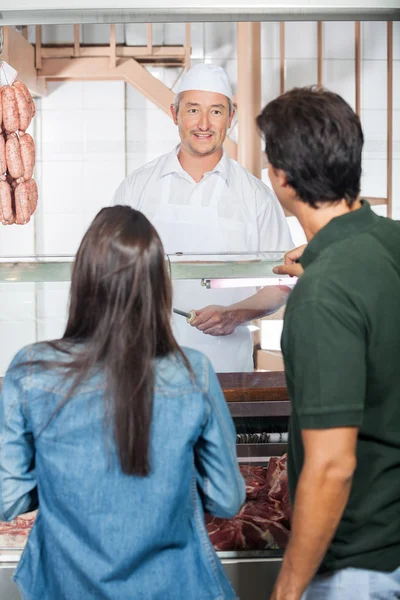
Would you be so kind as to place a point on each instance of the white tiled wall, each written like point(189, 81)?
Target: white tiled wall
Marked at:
point(89, 135)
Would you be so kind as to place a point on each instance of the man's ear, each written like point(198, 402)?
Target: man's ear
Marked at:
point(174, 114)
point(281, 177)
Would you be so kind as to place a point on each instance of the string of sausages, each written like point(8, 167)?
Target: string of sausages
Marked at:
point(18, 191)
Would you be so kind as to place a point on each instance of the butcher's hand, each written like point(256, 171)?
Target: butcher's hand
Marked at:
point(216, 320)
point(291, 267)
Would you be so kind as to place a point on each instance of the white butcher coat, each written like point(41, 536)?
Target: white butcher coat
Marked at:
point(229, 210)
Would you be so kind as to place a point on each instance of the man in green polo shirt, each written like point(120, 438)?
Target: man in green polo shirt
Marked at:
point(341, 346)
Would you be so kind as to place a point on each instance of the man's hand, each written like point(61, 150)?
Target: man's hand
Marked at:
point(216, 320)
point(291, 267)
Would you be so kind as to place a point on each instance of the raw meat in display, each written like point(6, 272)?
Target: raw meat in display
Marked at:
point(254, 477)
point(263, 522)
point(15, 533)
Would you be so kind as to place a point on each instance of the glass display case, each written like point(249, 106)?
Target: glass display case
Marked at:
point(34, 304)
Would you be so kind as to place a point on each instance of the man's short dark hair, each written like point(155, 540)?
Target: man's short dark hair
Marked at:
point(316, 138)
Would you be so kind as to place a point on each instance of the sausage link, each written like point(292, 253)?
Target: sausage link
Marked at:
point(11, 182)
point(24, 110)
point(27, 95)
point(3, 162)
point(22, 204)
point(27, 147)
point(6, 212)
point(10, 110)
point(15, 165)
point(33, 195)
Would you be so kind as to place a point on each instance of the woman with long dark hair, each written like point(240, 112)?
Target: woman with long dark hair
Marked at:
point(119, 437)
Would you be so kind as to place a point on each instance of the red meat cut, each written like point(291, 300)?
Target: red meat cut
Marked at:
point(263, 522)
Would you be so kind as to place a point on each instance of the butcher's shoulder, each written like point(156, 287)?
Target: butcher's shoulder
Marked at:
point(255, 188)
point(137, 181)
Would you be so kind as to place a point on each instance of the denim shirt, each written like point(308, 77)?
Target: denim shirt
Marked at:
point(101, 534)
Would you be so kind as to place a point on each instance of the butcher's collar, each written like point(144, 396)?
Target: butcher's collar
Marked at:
point(172, 165)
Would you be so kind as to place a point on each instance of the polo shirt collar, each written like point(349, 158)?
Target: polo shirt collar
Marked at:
point(338, 229)
point(172, 165)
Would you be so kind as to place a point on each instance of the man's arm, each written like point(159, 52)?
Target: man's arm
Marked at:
point(223, 320)
point(321, 496)
point(273, 235)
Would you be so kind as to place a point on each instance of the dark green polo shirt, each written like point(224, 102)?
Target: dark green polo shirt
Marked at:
point(341, 346)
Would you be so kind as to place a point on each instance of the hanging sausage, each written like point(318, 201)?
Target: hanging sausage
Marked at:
point(18, 191)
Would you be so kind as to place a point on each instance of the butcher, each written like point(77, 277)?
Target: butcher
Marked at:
point(201, 201)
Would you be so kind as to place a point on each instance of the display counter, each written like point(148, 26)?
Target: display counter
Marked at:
point(258, 403)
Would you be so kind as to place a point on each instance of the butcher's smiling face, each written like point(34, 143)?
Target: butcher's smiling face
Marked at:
point(203, 120)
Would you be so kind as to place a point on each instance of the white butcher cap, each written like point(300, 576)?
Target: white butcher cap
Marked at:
point(206, 78)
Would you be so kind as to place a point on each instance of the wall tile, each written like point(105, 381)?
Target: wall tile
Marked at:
point(301, 40)
point(17, 240)
point(338, 76)
point(300, 72)
point(63, 135)
point(270, 40)
point(220, 40)
point(174, 34)
point(396, 134)
point(99, 33)
point(18, 334)
point(104, 133)
point(100, 95)
point(374, 123)
point(396, 189)
point(380, 210)
point(373, 84)
point(396, 84)
point(52, 298)
point(338, 40)
point(17, 302)
point(172, 77)
point(136, 34)
point(57, 34)
point(373, 40)
point(61, 187)
point(270, 78)
point(61, 95)
point(151, 126)
point(396, 40)
point(198, 40)
point(373, 180)
point(100, 181)
point(62, 233)
point(51, 329)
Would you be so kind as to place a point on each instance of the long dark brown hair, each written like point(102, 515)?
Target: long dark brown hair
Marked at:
point(120, 319)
